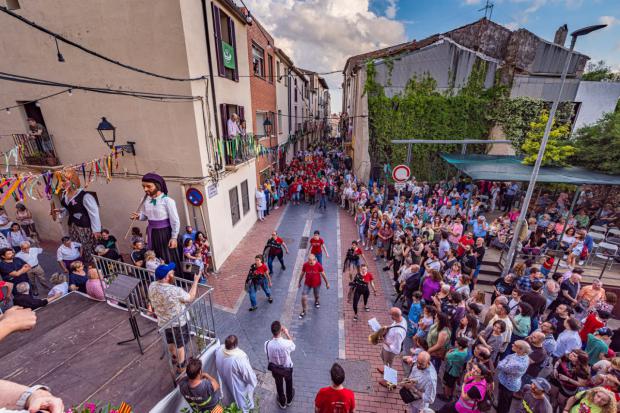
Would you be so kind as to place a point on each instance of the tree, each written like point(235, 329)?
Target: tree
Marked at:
point(558, 148)
point(598, 145)
point(598, 71)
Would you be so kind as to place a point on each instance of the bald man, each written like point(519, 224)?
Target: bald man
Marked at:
point(424, 381)
point(393, 340)
point(538, 356)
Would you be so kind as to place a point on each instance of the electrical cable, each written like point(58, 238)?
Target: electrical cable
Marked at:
point(63, 39)
point(92, 52)
point(151, 96)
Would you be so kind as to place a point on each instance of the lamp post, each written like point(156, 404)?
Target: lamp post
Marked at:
point(530, 189)
point(107, 131)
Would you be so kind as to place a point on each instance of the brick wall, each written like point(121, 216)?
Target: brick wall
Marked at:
point(263, 90)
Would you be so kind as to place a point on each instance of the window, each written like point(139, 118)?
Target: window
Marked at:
point(260, 128)
point(295, 92)
point(296, 116)
point(278, 70)
point(280, 128)
point(245, 197)
point(286, 75)
point(270, 68)
point(226, 111)
point(233, 196)
point(225, 44)
point(258, 60)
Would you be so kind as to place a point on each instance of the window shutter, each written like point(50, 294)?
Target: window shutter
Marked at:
point(233, 38)
point(241, 113)
point(218, 40)
point(224, 114)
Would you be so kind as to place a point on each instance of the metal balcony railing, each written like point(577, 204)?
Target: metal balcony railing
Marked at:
point(111, 269)
point(37, 150)
point(239, 149)
point(193, 330)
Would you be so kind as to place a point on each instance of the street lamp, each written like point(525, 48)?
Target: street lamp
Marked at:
point(267, 126)
point(530, 189)
point(107, 131)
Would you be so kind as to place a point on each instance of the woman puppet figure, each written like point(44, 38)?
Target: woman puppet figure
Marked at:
point(82, 207)
point(163, 219)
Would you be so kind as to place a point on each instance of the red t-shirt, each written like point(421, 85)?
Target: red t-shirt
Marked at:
point(313, 274)
point(465, 241)
point(329, 400)
point(262, 270)
point(589, 327)
point(315, 245)
point(368, 277)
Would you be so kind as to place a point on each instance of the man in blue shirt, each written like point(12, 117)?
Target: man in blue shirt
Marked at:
point(479, 227)
point(509, 196)
point(13, 269)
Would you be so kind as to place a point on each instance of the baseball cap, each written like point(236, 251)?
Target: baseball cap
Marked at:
point(542, 384)
point(163, 270)
point(605, 331)
point(611, 354)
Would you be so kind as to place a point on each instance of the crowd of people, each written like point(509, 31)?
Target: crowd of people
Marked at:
point(540, 336)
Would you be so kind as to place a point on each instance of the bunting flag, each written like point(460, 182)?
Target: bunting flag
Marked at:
point(23, 186)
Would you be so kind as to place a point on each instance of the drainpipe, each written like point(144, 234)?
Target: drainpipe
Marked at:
point(211, 77)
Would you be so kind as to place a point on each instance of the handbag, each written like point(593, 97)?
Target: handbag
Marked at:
point(407, 395)
point(286, 372)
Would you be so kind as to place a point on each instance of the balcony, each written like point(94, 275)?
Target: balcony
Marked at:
point(37, 150)
point(238, 150)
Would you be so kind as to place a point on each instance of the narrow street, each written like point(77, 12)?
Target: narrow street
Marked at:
point(325, 335)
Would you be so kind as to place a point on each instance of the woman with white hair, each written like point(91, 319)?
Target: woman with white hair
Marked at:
point(509, 373)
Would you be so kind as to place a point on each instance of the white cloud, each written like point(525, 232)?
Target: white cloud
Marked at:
point(321, 35)
point(472, 2)
point(609, 20)
point(512, 25)
point(390, 11)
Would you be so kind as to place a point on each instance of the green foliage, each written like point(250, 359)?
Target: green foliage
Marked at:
point(558, 149)
point(516, 114)
point(598, 145)
point(598, 71)
point(422, 112)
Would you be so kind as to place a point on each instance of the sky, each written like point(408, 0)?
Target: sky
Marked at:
point(320, 35)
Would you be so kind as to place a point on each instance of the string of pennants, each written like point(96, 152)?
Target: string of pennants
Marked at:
point(248, 145)
point(24, 186)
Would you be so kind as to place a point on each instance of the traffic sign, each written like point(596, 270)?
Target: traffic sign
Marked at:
point(194, 197)
point(401, 173)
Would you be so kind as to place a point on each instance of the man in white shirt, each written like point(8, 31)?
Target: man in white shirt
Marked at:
point(67, 252)
point(393, 339)
point(279, 351)
point(31, 257)
point(232, 126)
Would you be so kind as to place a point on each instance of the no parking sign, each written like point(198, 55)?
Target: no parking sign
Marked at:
point(194, 197)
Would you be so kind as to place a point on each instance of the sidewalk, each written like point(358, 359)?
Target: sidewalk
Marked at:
point(378, 399)
point(228, 285)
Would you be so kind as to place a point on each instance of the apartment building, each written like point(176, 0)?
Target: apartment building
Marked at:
point(285, 125)
point(183, 141)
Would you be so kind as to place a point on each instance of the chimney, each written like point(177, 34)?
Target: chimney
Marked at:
point(560, 35)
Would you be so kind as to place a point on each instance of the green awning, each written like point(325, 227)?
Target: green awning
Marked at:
point(510, 168)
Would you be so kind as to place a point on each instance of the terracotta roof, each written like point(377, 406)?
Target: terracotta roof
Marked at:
point(284, 57)
point(323, 82)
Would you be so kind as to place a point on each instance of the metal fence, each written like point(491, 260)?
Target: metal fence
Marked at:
point(37, 150)
point(111, 269)
point(193, 330)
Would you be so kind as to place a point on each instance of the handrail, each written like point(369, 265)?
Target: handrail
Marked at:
point(112, 268)
point(193, 330)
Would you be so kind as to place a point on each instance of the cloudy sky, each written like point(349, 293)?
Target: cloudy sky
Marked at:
point(321, 34)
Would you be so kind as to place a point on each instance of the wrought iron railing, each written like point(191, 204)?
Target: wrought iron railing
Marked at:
point(111, 269)
point(37, 150)
point(193, 330)
point(239, 149)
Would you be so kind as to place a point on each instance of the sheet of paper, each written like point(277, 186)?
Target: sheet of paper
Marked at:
point(374, 324)
point(390, 375)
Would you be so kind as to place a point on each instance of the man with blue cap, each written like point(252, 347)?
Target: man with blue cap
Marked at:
point(168, 302)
